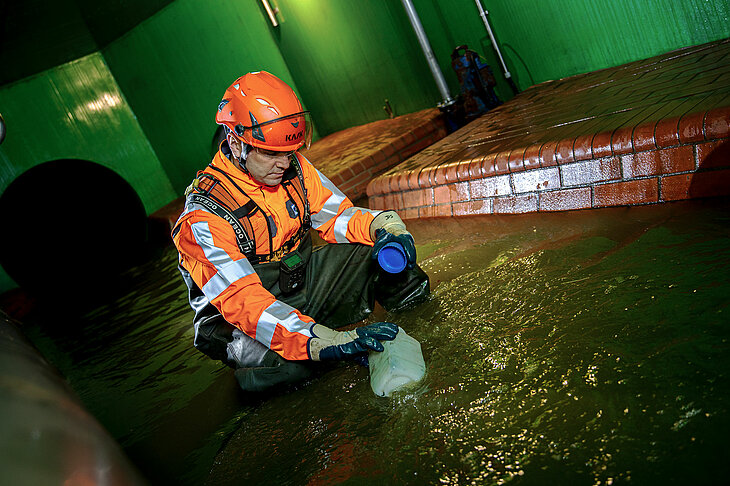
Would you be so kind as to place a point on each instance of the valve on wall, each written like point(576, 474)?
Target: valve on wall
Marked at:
point(2, 128)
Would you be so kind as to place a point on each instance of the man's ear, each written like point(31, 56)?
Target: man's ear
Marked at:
point(235, 145)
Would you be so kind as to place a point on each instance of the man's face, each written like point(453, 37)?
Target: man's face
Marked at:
point(267, 167)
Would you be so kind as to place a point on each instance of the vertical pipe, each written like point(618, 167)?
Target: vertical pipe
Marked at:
point(428, 52)
point(483, 15)
point(507, 74)
point(270, 13)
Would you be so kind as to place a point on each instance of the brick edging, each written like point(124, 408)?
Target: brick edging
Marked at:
point(667, 160)
point(353, 180)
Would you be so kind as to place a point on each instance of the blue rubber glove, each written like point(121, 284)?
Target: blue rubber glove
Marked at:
point(387, 227)
point(328, 344)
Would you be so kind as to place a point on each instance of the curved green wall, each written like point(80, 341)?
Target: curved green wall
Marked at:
point(174, 68)
point(76, 111)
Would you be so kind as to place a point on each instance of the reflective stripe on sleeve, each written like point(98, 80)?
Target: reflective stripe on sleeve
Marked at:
point(344, 219)
point(227, 270)
point(189, 207)
point(331, 206)
point(284, 315)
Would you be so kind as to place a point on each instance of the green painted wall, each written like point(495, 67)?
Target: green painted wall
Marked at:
point(348, 56)
point(174, 68)
point(551, 40)
point(76, 111)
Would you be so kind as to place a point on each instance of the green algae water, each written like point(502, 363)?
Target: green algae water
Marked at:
point(568, 348)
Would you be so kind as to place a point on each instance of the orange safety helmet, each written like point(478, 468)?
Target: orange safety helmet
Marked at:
point(263, 111)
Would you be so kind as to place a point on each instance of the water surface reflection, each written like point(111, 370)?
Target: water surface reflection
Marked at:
point(587, 348)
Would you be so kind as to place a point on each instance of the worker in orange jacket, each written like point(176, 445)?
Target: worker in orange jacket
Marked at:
point(266, 303)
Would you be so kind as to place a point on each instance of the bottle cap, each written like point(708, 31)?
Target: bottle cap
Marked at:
point(392, 258)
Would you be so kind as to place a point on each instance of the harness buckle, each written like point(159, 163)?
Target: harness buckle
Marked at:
point(193, 186)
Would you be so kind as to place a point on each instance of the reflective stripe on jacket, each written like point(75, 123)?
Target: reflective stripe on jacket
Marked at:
point(209, 252)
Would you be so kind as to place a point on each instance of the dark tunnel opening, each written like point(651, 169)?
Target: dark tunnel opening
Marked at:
point(71, 228)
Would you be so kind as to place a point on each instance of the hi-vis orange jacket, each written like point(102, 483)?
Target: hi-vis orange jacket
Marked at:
point(209, 252)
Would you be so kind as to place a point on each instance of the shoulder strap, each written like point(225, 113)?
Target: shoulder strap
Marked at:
point(307, 217)
point(202, 191)
point(245, 244)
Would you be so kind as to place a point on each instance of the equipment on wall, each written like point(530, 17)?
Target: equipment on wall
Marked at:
point(271, 12)
point(477, 82)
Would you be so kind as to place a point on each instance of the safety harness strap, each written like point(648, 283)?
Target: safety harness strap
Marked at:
point(245, 244)
point(307, 217)
point(244, 210)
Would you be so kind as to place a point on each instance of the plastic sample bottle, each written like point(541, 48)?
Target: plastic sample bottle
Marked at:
point(400, 364)
point(392, 257)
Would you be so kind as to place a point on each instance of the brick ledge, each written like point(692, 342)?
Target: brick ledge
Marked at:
point(678, 158)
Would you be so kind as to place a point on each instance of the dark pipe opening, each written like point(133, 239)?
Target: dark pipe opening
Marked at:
point(70, 228)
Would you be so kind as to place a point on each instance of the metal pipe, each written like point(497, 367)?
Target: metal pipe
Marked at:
point(483, 15)
point(428, 52)
point(270, 12)
point(51, 437)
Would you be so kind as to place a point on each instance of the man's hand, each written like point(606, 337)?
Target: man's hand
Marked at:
point(387, 227)
point(328, 344)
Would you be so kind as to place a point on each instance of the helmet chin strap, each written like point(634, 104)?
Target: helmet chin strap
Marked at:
point(245, 150)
